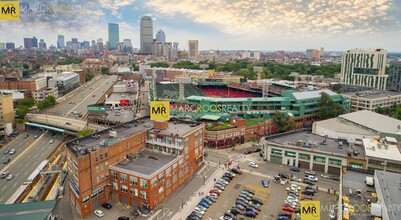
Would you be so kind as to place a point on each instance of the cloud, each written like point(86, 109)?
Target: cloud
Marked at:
point(283, 17)
point(114, 5)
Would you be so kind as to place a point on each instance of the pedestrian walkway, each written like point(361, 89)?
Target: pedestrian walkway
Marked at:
point(212, 164)
point(198, 195)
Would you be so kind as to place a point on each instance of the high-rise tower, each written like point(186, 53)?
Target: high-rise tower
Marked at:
point(114, 36)
point(161, 37)
point(146, 34)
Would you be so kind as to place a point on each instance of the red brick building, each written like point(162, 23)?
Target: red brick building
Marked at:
point(104, 165)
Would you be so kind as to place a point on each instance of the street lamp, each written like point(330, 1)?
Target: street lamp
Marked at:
point(204, 180)
point(182, 202)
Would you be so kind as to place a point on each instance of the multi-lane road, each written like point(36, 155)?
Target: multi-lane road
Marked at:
point(62, 122)
point(30, 153)
point(86, 95)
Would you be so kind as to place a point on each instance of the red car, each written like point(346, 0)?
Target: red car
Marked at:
point(287, 208)
point(215, 191)
point(306, 197)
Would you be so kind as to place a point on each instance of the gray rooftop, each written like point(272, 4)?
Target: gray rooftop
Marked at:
point(343, 126)
point(116, 97)
point(312, 94)
point(389, 186)
point(173, 129)
point(313, 143)
point(93, 142)
point(373, 94)
point(373, 121)
point(147, 165)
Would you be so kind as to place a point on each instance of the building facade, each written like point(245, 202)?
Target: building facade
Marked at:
point(114, 36)
point(193, 48)
point(42, 94)
point(7, 108)
point(161, 36)
point(105, 165)
point(64, 81)
point(372, 99)
point(60, 41)
point(146, 34)
point(365, 68)
point(395, 76)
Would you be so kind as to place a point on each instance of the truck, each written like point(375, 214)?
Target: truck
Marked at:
point(15, 133)
point(369, 181)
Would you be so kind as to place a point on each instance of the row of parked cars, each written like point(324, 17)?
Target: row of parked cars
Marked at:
point(292, 202)
point(213, 194)
point(246, 205)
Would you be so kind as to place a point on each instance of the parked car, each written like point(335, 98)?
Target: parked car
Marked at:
point(253, 164)
point(325, 176)
point(287, 208)
point(249, 191)
point(123, 218)
point(250, 214)
point(201, 211)
point(248, 152)
point(107, 206)
point(308, 192)
point(98, 213)
point(312, 178)
point(212, 198)
point(336, 178)
point(310, 172)
point(282, 217)
point(215, 192)
point(265, 183)
point(207, 201)
point(308, 182)
point(305, 197)
point(236, 171)
point(295, 169)
point(257, 200)
point(284, 176)
point(204, 204)
point(6, 160)
point(26, 136)
point(257, 150)
point(6, 151)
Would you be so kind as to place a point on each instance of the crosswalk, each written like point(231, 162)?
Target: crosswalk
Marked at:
point(212, 164)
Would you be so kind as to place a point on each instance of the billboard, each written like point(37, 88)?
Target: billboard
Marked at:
point(96, 108)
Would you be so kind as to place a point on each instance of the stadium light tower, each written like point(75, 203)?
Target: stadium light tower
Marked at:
point(262, 82)
point(182, 80)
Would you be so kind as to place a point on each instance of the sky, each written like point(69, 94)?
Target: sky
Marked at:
point(296, 25)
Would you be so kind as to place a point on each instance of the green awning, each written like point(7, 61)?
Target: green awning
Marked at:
point(211, 117)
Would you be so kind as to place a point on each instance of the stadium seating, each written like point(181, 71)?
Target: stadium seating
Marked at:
point(171, 90)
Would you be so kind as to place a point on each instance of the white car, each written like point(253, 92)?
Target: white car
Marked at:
point(98, 213)
point(252, 164)
point(199, 210)
point(296, 179)
point(325, 176)
point(310, 172)
point(295, 186)
point(312, 178)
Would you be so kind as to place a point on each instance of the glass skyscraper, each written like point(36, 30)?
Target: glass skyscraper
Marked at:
point(161, 37)
point(60, 41)
point(146, 34)
point(114, 36)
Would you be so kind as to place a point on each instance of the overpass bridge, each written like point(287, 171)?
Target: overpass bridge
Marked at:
point(68, 124)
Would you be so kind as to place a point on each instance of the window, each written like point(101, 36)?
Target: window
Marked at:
point(144, 183)
point(107, 163)
point(169, 140)
point(97, 179)
point(144, 195)
point(133, 180)
point(178, 142)
point(168, 171)
point(107, 175)
point(114, 175)
point(153, 182)
point(124, 189)
point(161, 177)
point(196, 152)
point(180, 173)
point(97, 159)
point(174, 167)
point(174, 177)
point(106, 155)
point(181, 162)
point(102, 178)
point(101, 167)
point(115, 186)
point(134, 192)
point(151, 137)
point(123, 178)
point(101, 156)
point(168, 182)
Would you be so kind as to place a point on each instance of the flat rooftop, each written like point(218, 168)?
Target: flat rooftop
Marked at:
point(389, 186)
point(116, 97)
point(147, 164)
point(373, 148)
point(313, 143)
point(82, 146)
point(93, 142)
point(343, 126)
point(373, 121)
point(372, 94)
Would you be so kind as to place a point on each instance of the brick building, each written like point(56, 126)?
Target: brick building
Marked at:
point(135, 163)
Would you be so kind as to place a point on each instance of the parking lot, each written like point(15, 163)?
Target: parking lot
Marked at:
point(273, 197)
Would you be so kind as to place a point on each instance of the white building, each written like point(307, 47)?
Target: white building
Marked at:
point(64, 81)
point(42, 94)
point(372, 99)
point(365, 68)
point(382, 154)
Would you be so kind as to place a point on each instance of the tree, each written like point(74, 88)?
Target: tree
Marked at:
point(104, 70)
point(88, 77)
point(160, 64)
point(21, 111)
point(233, 144)
point(85, 132)
point(284, 123)
point(28, 102)
point(25, 66)
point(328, 108)
point(51, 100)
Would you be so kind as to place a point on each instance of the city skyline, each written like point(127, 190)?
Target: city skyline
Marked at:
point(244, 25)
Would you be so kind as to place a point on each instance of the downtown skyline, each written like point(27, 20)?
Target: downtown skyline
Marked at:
point(222, 25)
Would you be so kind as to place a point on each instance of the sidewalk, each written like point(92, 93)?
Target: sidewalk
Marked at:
point(195, 199)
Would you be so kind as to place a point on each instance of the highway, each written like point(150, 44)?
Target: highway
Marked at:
point(23, 166)
point(86, 95)
point(62, 122)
